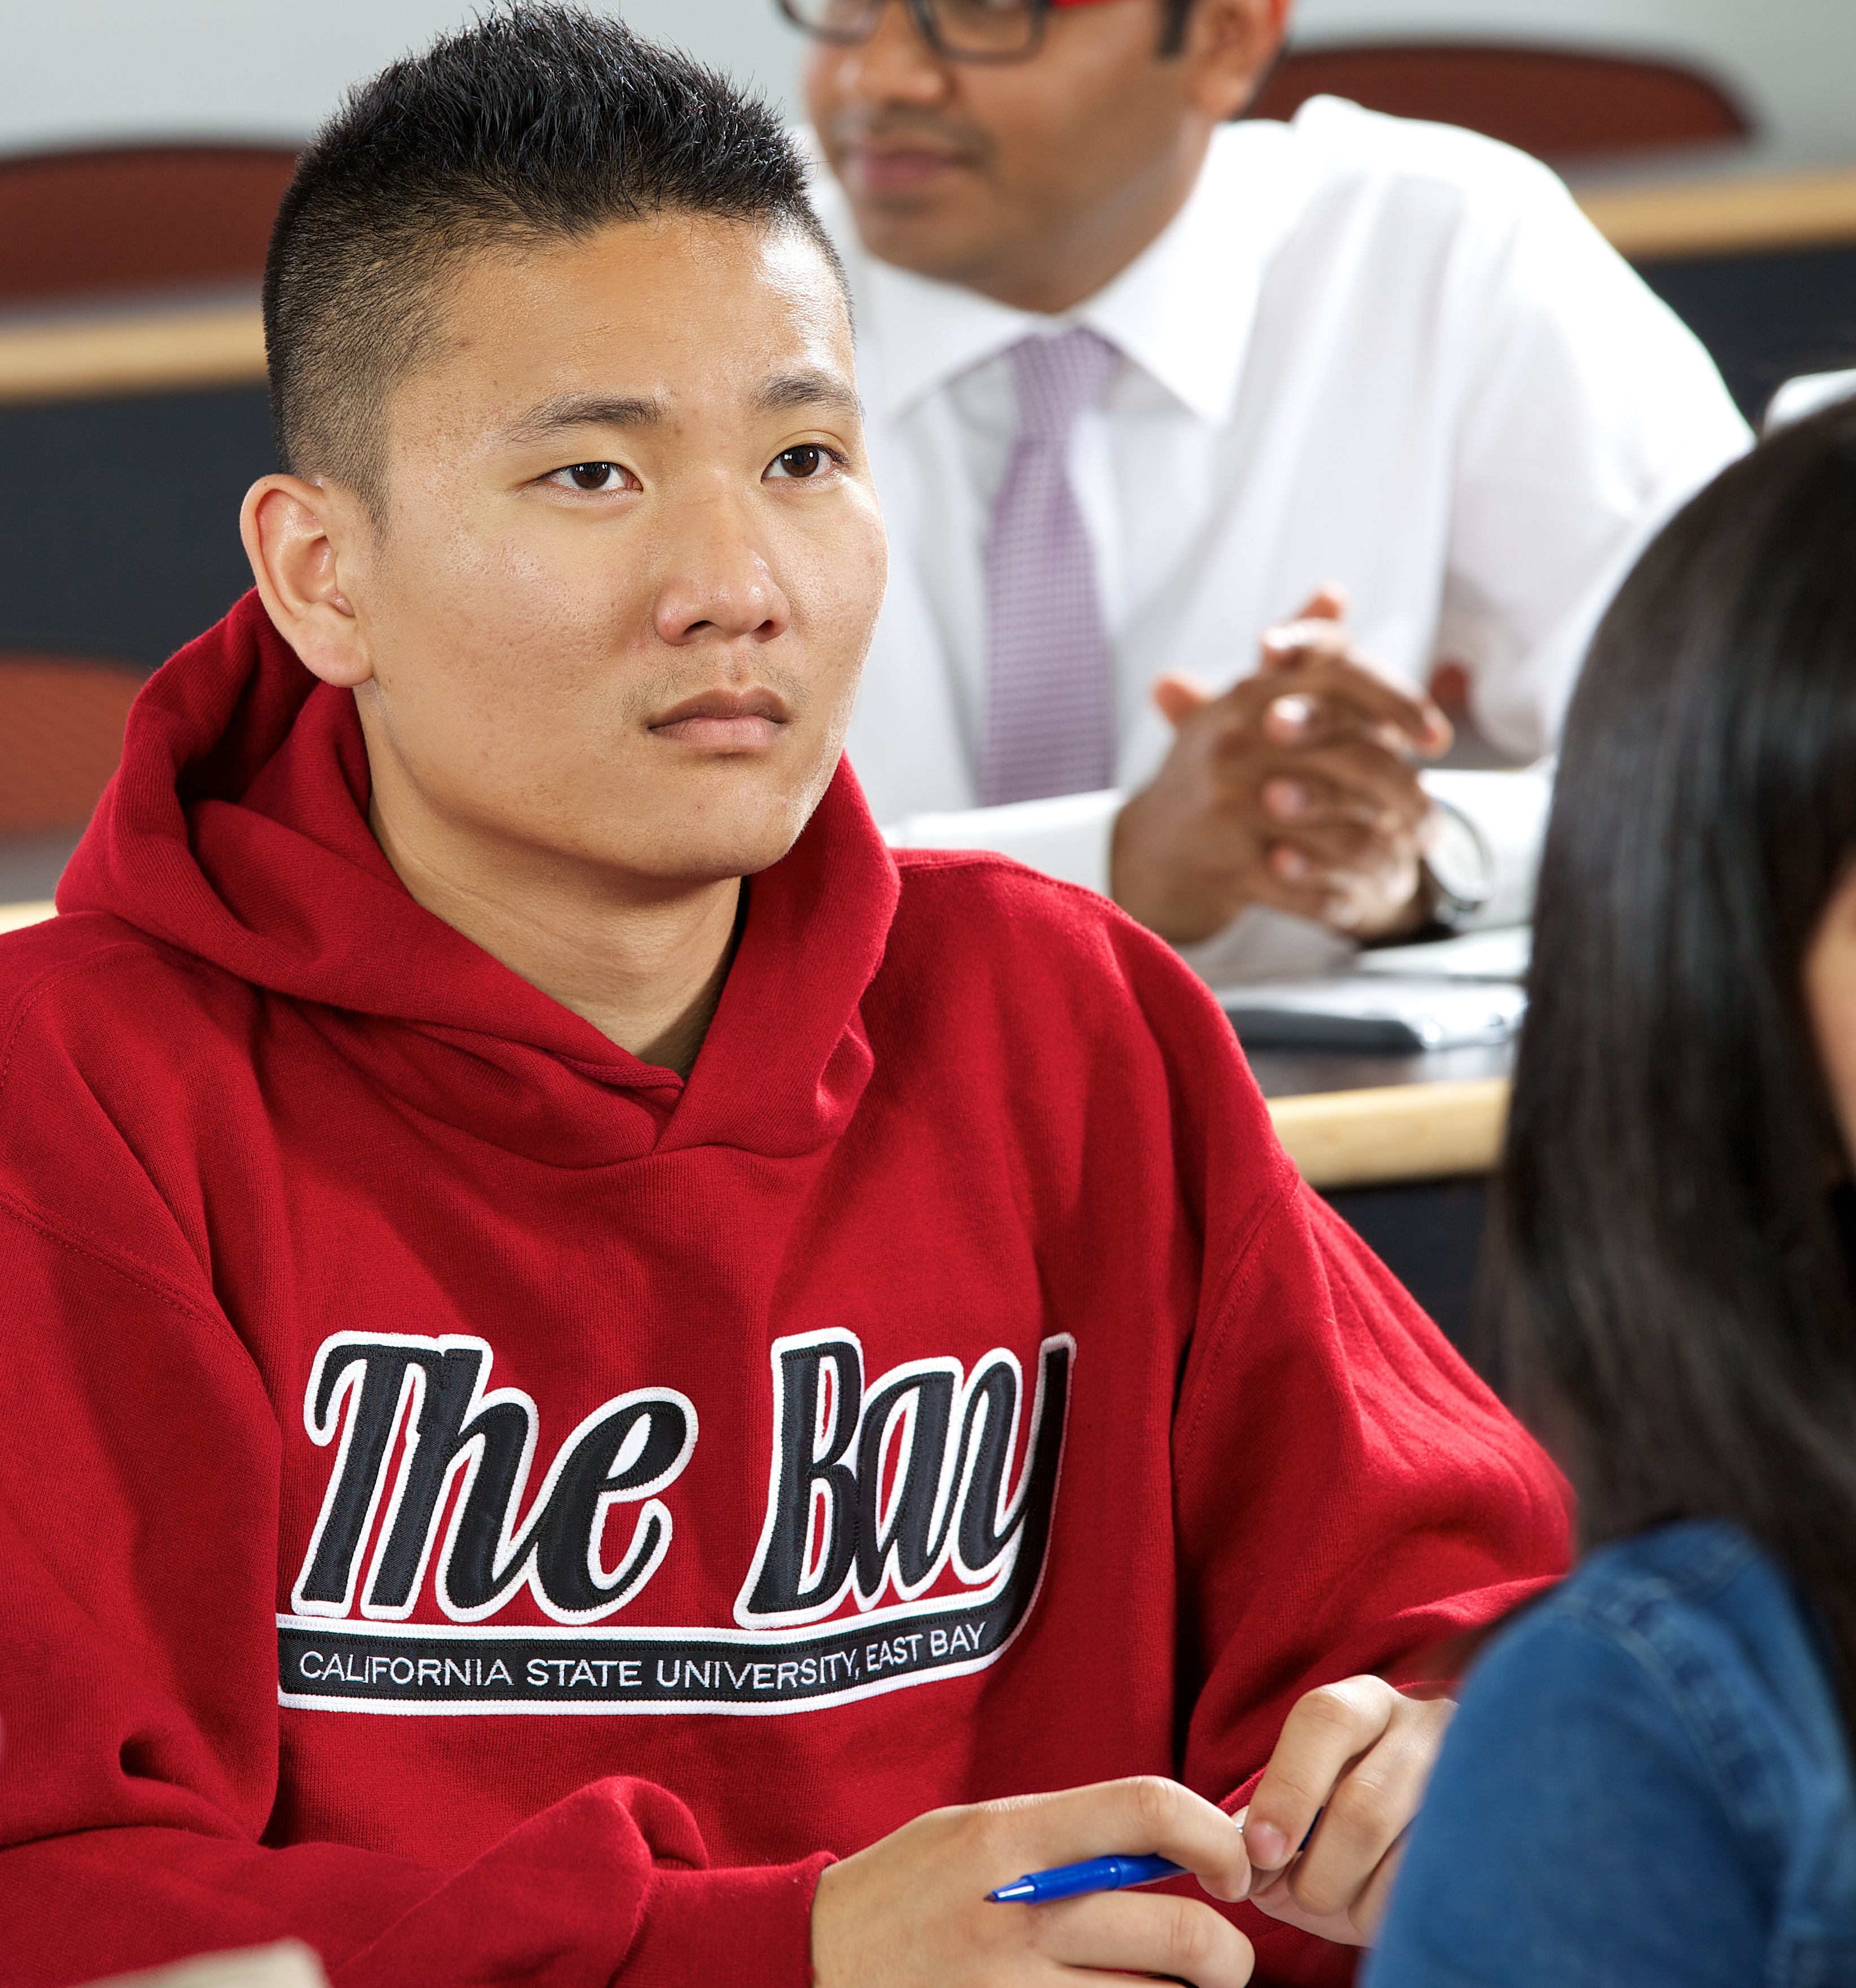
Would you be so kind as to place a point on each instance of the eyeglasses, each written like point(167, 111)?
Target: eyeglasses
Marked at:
point(981, 31)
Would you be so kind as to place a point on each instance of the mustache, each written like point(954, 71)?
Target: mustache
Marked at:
point(893, 126)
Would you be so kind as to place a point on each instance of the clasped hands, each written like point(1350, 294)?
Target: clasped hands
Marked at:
point(911, 1911)
point(1297, 789)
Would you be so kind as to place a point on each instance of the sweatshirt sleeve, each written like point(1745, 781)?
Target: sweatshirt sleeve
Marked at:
point(139, 1767)
point(1351, 1498)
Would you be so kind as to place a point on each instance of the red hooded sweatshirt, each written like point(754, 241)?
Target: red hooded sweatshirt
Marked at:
point(499, 1512)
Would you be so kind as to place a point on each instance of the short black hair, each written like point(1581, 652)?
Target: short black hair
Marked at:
point(1676, 1221)
point(539, 123)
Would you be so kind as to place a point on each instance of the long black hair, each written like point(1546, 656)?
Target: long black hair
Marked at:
point(1677, 1307)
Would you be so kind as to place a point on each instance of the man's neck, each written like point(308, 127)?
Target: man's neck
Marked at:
point(646, 967)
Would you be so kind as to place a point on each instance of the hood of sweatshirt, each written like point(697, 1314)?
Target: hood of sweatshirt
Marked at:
point(235, 831)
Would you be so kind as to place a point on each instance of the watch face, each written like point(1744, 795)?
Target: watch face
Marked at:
point(1458, 860)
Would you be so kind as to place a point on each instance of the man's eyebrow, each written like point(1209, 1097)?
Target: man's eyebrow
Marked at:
point(810, 389)
point(586, 410)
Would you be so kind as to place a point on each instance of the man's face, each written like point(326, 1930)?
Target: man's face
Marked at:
point(631, 558)
point(1033, 181)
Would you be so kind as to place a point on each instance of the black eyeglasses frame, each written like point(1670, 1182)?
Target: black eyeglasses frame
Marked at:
point(922, 13)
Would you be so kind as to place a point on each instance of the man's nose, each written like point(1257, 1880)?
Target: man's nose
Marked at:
point(718, 584)
point(895, 65)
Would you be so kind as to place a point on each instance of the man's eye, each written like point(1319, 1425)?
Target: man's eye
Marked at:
point(594, 476)
point(807, 460)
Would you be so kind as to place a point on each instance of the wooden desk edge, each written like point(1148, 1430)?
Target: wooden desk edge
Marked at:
point(1402, 1132)
point(85, 357)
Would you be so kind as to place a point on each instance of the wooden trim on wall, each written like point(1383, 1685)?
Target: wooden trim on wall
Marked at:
point(1405, 1131)
point(87, 358)
point(1725, 217)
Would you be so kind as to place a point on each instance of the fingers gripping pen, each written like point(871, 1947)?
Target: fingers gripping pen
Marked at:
point(1097, 1873)
point(1094, 1873)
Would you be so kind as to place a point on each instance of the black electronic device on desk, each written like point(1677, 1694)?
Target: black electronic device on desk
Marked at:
point(1372, 1014)
point(1463, 993)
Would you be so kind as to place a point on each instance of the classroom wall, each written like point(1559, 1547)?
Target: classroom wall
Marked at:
point(86, 72)
point(90, 72)
point(1792, 62)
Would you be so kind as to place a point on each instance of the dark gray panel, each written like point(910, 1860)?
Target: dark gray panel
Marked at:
point(119, 519)
point(1766, 318)
point(1429, 1234)
point(30, 865)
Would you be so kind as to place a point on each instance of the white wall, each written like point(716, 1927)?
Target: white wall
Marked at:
point(87, 72)
point(80, 72)
point(1792, 62)
point(749, 38)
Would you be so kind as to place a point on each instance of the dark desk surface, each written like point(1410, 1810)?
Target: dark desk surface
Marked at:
point(1304, 1073)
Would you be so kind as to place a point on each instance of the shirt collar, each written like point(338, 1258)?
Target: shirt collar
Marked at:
point(1182, 310)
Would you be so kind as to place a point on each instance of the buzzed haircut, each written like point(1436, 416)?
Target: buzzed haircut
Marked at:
point(539, 124)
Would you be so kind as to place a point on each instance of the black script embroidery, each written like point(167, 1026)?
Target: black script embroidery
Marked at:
point(827, 1530)
point(876, 1493)
point(373, 1386)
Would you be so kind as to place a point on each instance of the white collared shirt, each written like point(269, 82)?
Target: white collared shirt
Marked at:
point(1384, 353)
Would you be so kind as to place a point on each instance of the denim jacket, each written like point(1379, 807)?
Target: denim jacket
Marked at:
point(1648, 1783)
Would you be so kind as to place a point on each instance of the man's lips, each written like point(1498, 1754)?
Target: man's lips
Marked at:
point(893, 169)
point(895, 172)
point(725, 720)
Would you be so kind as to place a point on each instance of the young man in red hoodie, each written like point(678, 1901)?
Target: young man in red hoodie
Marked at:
point(582, 1340)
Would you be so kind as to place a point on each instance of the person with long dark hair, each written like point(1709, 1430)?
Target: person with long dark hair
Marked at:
point(1649, 1780)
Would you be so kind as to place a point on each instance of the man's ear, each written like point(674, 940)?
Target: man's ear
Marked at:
point(299, 537)
point(1229, 46)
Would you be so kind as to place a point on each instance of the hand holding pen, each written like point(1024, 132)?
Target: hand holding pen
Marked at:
point(914, 1910)
point(1099, 1874)
point(913, 1907)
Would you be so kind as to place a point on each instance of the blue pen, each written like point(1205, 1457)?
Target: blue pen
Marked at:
point(1094, 1873)
point(1099, 1874)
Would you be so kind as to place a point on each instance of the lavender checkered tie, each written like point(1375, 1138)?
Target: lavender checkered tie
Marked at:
point(1050, 717)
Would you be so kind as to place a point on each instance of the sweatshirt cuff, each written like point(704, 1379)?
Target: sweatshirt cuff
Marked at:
point(1066, 836)
point(748, 1925)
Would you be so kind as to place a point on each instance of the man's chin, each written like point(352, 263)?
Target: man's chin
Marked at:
point(715, 851)
point(922, 232)
point(698, 822)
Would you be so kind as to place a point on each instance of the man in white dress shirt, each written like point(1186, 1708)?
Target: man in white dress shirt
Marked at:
point(1143, 383)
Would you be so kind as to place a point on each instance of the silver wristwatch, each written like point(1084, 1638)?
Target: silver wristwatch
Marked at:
point(1459, 864)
